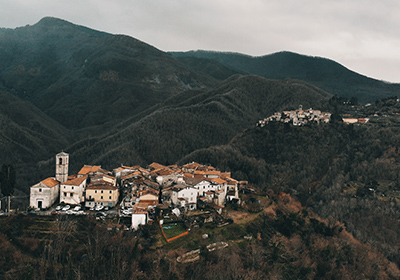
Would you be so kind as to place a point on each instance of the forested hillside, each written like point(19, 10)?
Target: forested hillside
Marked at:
point(344, 172)
point(184, 124)
point(280, 240)
point(81, 77)
point(111, 99)
point(321, 72)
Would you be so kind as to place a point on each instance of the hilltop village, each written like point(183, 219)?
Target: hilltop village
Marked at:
point(133, 190)
point(302, 117)
point(298, 117)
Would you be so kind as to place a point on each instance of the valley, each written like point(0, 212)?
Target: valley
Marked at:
point(326, 191)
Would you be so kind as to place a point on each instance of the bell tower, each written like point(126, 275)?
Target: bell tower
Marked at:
point(62, 160)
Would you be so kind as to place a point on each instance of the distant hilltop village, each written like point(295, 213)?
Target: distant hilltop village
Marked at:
point(301, 117)
point(298, 117)
point(135, 189)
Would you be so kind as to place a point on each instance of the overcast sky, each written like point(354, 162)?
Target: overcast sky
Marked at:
point(363, 35)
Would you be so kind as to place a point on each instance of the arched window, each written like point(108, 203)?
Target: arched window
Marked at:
point(60, 161)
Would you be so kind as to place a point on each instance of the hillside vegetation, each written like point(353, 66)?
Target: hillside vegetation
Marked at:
point(111, 99)
point(343, 172)
point(283, 240)
point(321, 72)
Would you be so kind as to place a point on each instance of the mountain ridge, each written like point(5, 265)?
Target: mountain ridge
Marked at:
point(322, 72)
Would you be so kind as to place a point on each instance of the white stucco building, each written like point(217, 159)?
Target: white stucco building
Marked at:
point(72, 191)
point(184, 196)
point(44, 194)
point(139, 217)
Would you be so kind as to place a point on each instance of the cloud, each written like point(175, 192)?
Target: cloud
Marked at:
point(347, 31)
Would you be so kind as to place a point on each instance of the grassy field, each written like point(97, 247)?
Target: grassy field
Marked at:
point(173, 229)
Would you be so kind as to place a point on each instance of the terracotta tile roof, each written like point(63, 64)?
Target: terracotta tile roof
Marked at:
point(102, 176)
point(192, 165)
point(147, 192)
point(164, 172)
point(219, 181)
point(207, 172)
point(141, 206)
point(123, 167)
point(193, 181)
point(151, 184)
point(188, 175)
point(139, 212)
point(108, 176)
point(156, 165)
point(86, 169)
point(178, 188)
point(166, 189)
point(116, 170)
point(101, 185)
point(50, 182)
point(205, 168)
point(232, 181)
point(130, 175)
point(76, 182)
point(175, 167)
point(225, 175)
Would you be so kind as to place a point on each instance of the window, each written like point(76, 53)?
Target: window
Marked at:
point(72, 187)
point(71, 194)
point(101, 197)
point(65, 194)
point(90, 203)
point(95, 191)
point(90, 197)
point(101, 191)
point(109, 197)
point(60, 161)
point(40, 190)
point(110, 191)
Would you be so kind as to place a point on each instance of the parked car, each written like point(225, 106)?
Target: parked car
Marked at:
point(58, 208)
point(127, 211)
point(77, 208)
point(106, 208)
point(99, 207)
point(66, 207)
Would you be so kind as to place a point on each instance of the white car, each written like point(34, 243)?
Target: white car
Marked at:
point(99, 207)
point(66, 207)
point(127, 211)
point(58, 208)
point(77, 208)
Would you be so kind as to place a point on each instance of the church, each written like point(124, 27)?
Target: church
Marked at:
point(45, 193)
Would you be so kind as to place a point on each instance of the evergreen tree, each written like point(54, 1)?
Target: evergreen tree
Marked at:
point(7, 182)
